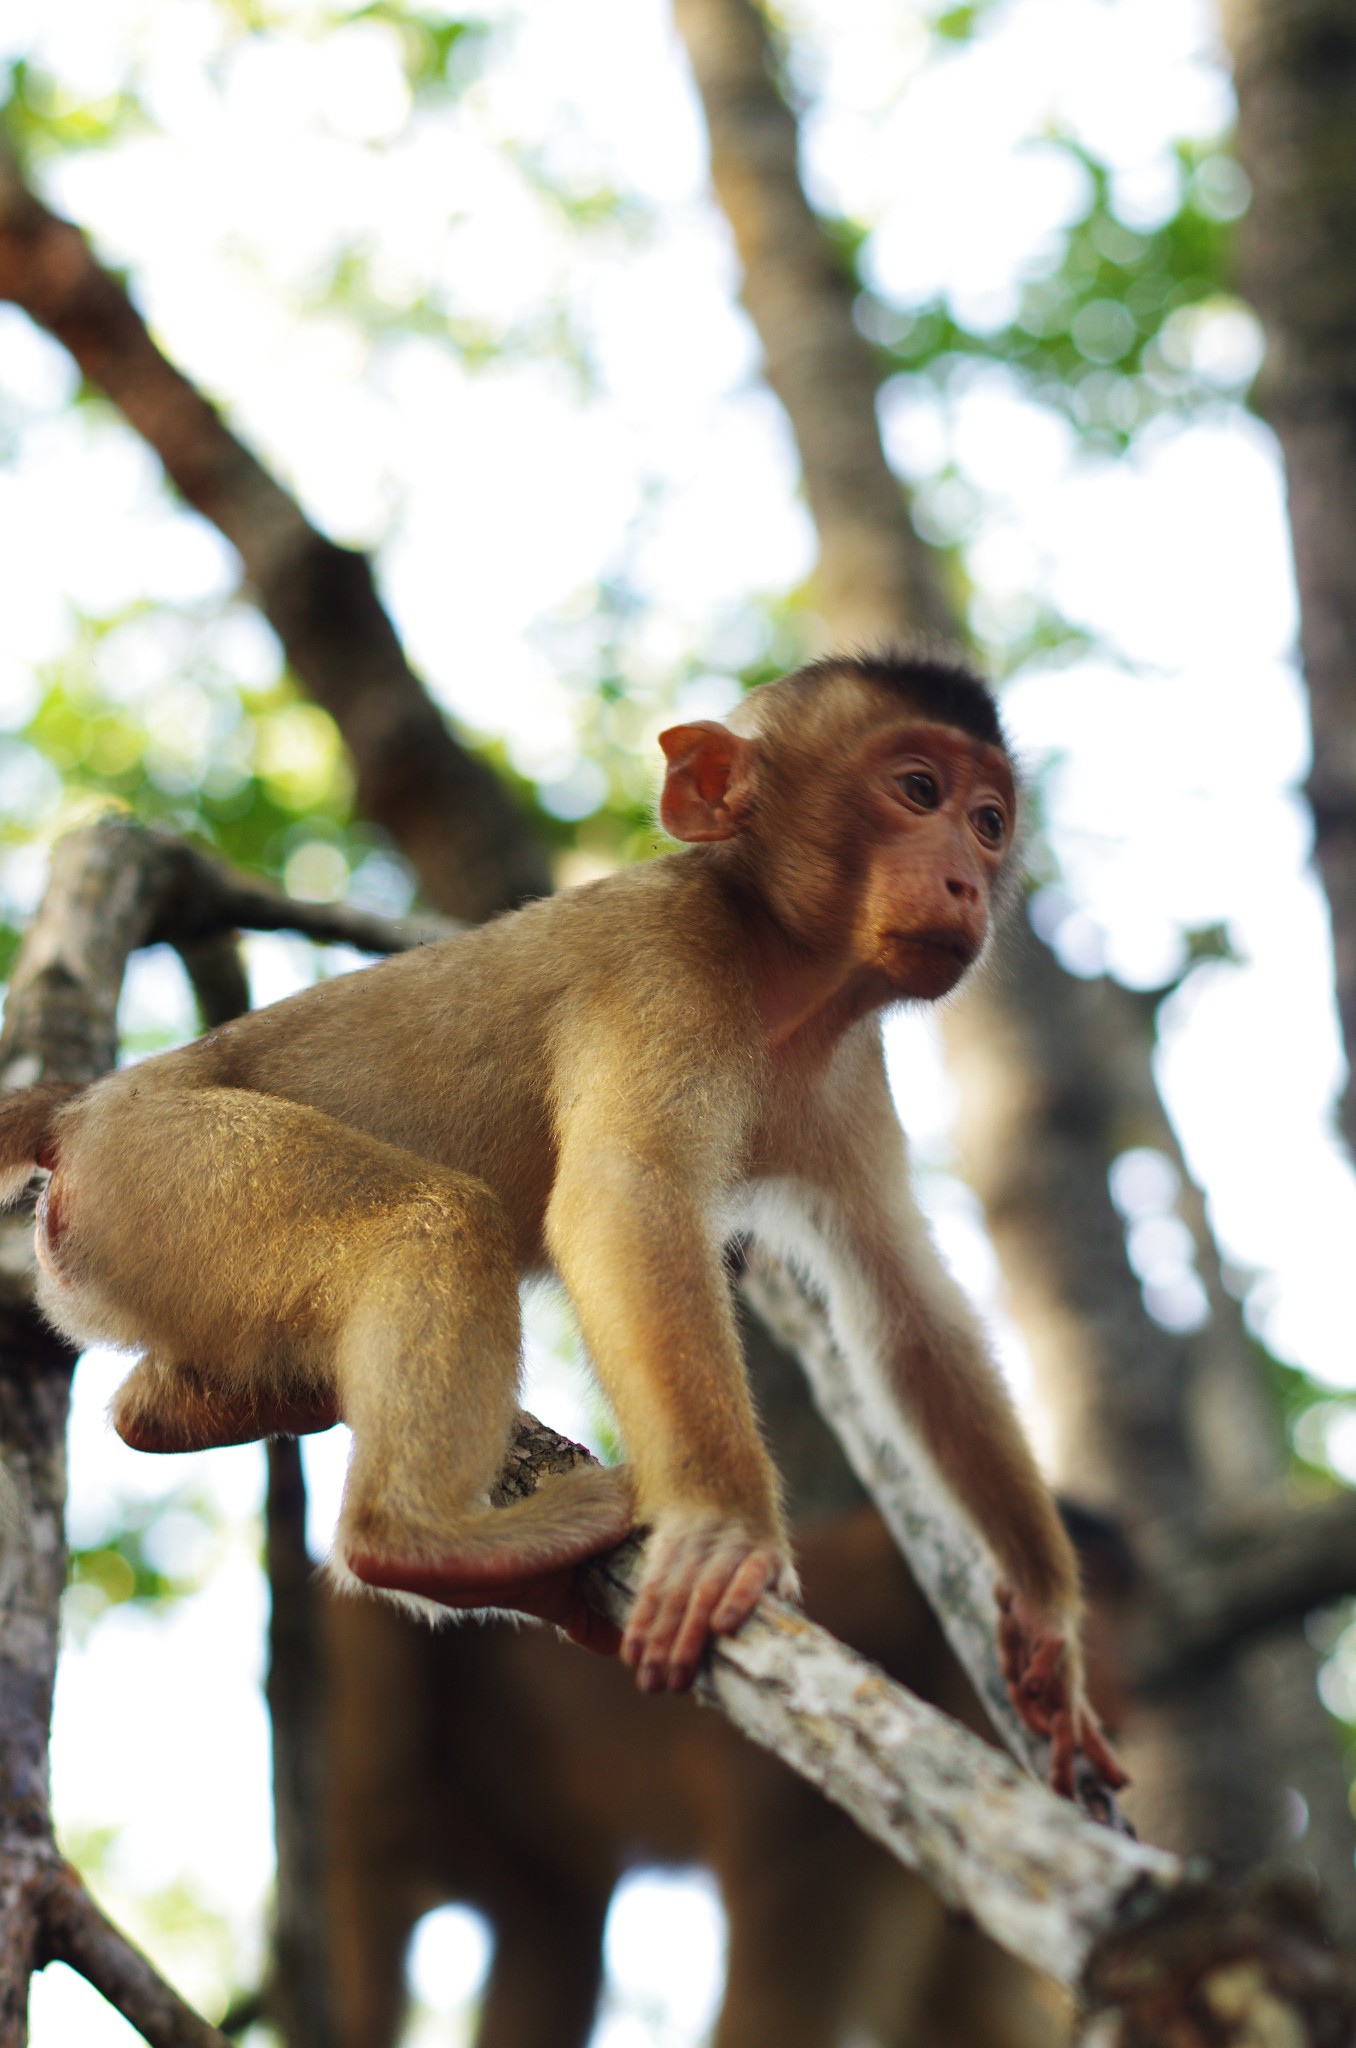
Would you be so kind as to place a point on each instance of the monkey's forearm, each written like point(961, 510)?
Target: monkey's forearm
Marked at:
point(643, 1270)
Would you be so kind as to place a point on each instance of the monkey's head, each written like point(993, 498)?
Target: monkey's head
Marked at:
point(868, 802)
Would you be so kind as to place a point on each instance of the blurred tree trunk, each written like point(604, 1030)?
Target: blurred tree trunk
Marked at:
point(1055, 1073)
point(1295, 68)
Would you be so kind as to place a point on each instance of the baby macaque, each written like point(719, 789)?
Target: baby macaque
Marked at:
point(323, 1210)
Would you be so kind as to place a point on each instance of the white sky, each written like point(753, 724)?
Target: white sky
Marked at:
point(498, 500)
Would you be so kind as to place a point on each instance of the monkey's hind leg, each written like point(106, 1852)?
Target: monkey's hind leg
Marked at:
point(427, 1368)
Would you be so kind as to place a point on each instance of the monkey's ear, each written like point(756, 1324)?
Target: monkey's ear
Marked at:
point(708, 786)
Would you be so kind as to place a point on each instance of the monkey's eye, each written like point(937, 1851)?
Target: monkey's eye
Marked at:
point(991, 825)
point(920, 788)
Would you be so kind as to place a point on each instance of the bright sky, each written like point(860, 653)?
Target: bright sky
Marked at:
point(497, 501)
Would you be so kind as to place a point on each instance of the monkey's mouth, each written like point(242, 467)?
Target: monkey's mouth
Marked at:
point(926, 965)
point(950, 945)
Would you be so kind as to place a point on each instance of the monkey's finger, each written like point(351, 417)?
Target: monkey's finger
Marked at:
point(651, 1630)
point(640, 1621)
point(682, 1623)
point(1045, 1678)
point(1037, 1715)
point(1014, 1650)
point(743, 1593)
point(1062, 1754)
point(678, 1635)
point(717, 1604)
point(686, 1651)
point(1099, 1752)
point(735, 1597)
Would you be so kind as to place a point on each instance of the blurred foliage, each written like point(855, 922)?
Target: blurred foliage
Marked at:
point(187, 1936)
point(441, 54)
point(160, 1551)
point(167, 714)
point(1117, 324)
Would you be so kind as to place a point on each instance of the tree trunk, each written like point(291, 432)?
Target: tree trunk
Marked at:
point(1295, 69)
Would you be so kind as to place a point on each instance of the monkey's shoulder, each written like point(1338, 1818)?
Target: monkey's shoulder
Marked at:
point(663, 936)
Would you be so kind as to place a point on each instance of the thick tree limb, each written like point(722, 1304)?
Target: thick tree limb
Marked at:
point(1034, 1874)
point(446, 809)
point(1295, 70)
point(59, 1022)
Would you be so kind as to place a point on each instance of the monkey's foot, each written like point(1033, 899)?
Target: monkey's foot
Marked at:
point(552, 1596)
point(179, 1412)
point(704, 1575)
point(522, 1559)
point(1044, 1687)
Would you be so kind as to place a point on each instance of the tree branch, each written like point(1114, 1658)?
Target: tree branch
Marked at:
point(1034, 1873)
point(59, 1021)
point(78, 1934)
point(447, 810)
point(945, 1555)
point(873, 574)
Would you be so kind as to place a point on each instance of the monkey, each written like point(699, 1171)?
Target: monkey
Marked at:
point(322, 1209)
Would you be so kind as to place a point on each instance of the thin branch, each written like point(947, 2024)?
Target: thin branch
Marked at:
point(946, 1557)
point(77, 1933)
point(268, 910)
point(216, 972)
point(302, 2000)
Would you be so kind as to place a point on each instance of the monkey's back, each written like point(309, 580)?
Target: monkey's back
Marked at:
point(459, 1051)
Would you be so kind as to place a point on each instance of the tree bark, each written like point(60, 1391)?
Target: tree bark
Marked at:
point(1140, 1405)
point(1295, 70)
point(59, 1024)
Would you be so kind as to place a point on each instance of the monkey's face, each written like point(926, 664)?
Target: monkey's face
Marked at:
point(874, 837)
point(939, 810)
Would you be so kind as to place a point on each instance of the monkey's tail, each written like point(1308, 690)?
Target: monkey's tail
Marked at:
point(26, 1133)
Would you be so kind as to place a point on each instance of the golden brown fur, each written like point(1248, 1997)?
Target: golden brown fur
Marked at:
point(325, 1207)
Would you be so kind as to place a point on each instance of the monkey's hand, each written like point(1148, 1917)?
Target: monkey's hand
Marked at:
point(1040, 1663)
point(704, 1575)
